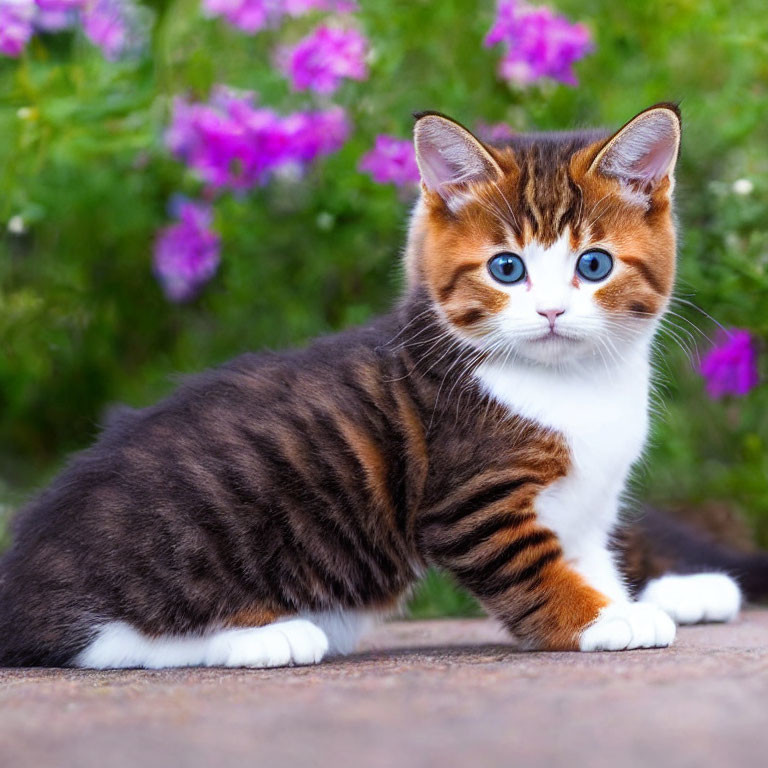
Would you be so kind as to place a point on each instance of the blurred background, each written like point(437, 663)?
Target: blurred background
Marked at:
point(183, 181)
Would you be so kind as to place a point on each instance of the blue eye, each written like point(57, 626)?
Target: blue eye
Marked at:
point(594, 265)
point(507, 268)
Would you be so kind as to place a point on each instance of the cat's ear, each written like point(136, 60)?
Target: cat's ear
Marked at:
point(449, 156)
point(643, 153)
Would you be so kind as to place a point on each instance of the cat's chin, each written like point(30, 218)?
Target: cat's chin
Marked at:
point(554, 350)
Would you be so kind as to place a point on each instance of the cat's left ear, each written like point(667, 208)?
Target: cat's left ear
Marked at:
point(450, 157)
point(643, 153)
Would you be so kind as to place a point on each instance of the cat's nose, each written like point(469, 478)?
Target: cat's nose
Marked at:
point(551, 315)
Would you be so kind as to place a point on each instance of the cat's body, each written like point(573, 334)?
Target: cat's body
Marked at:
point(273, 487)
point(266, 510)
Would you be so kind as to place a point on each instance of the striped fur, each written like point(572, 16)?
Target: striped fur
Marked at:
point(548, 189)
point(327, 479)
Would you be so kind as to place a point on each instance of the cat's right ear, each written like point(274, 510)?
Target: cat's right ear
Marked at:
point(450, 157)
point(643, 153)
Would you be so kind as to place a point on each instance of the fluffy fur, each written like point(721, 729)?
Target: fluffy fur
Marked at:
point(267, 510)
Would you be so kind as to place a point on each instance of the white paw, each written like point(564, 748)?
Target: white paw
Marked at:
point(695, 598)
point(284, 643)
point(623, 626)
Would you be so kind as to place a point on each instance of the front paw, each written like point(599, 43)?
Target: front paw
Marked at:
point(623, 626)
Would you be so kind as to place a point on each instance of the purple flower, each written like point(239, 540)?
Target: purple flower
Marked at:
point(187, 252)
point(324, 58)
point(60, 6)
point(118, 27)
point(248, 15)
point(251, 16)
point(391, 160)
point(16, 26)
point(311, 134)
point(730, 367)
point(300, 7)
point(539, 43)
point(215, 140)
point(229, 142)
point(55, 21)
point(55, 15)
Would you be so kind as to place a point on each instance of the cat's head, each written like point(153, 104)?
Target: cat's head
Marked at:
point(554, 248)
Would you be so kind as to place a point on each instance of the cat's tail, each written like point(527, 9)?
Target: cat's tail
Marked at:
point(656, 544)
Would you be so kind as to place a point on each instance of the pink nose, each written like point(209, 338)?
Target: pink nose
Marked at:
point(551, 315)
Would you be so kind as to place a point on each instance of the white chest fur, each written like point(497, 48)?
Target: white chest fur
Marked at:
point(603, 416)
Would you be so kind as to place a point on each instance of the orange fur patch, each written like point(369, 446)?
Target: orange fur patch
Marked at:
point(252, 617)
point(572, 606)
point(541, 194)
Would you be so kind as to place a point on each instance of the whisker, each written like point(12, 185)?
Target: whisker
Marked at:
point(699, 309)
point(691, 323)
point(407, 325)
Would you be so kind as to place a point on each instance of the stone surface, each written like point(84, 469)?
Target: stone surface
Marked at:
point(441, 693)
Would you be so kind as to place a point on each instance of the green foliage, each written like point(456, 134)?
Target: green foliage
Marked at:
point(83, 323)
point(437, 595)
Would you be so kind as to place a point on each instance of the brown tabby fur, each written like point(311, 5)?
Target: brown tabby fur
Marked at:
point(330, 477)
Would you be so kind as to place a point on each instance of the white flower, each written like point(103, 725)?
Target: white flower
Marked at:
point(16, 225)
point(742, 187)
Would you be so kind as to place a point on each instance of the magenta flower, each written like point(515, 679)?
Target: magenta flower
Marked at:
point(248, 15)
point(229, 142)
point(16, 26)
point(59, 6)
point(300, 7)
point(56, 15)
point(324, 58)
point(538, 43)
point(251, 16)
point(118, 27)
point(187, 252)
point(309, 135)
point(54, 21)
point(730, 367)
point(391, 161)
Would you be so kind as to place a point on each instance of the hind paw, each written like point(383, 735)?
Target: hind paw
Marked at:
point(284, 643)
point(697, 598)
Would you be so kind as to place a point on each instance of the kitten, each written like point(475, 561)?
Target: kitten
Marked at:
point(265, 511)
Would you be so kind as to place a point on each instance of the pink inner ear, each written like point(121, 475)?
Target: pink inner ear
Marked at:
point(655, 163)
point(436, 169)
point(447, 155)
point(645, 150)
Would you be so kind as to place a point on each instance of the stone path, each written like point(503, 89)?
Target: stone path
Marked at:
point(441, 693)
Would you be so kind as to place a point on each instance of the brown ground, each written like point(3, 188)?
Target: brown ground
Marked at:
point(442, 693)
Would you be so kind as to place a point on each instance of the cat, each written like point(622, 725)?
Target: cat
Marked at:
point(268, 510)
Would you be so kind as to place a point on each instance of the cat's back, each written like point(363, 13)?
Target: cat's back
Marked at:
point(196, 429)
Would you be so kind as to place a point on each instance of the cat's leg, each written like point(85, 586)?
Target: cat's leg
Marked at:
point(344, 628)
point(695, 598)
point(595, 562)
point(292, 641)
point(622, 624)
point(517, 568)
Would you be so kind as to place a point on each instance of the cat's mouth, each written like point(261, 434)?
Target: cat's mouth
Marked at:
point(554, 335)
point(554, 346)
